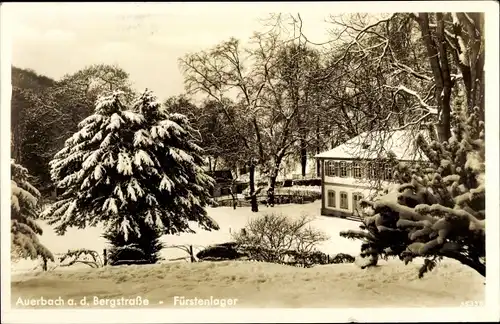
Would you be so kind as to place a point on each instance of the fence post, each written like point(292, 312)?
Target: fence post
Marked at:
point(105, 256)
point(191, 253)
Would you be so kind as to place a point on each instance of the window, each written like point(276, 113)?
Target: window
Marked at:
point(333, 166)
point(332, 169)
point(356, 170)
point(356, 198)
point(387, 172)
point(326, 168)
point(344, 203)
point(373, 171)
point(343, 170)
point(331, 198)
point(329, 168)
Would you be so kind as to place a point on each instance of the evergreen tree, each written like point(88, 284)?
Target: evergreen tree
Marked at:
point(143, 248)
point(135, 171)
point(436, 211)
point(24, 211)
point(176, 176)
point(92, 168)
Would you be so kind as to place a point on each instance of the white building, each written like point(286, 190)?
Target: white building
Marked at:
point(354, 170)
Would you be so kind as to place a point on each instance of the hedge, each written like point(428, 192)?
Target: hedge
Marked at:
point(307, 182)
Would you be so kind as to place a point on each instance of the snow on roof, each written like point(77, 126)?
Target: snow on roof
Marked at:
point(371, 145)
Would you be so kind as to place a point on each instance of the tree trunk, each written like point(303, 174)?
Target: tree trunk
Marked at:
point(438, 60)
point(445, 95)
point(105, 257)
point(318, 164)
point(303, 157)
point(191, 254)
point(253, 197)
point(210, 164)
point(272, 185)
point(215, 163)
point(231, 192)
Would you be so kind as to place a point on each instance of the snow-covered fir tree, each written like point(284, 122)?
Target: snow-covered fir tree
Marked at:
point(166, 150)
point(135, 171)
point(24, 212)
point(438, 211)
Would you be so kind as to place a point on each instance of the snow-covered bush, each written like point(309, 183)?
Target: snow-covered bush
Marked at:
point(434, 212)
point(279, 239)
point(24, 211)
point(82, 256)
point(131, 170)
point(221, 252)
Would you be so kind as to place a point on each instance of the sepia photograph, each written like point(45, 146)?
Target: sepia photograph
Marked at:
point(228, 162)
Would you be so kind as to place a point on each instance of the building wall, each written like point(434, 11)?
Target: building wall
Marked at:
point(349, 185)
point(338, 189)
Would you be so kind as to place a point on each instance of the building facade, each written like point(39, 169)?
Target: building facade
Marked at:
point(359, 168)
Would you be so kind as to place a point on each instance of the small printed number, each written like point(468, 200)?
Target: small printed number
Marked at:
point(472, 303)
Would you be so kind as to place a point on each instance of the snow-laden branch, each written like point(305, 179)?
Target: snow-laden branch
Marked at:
point(430, 109)
point(415, 122)
point(411, 71)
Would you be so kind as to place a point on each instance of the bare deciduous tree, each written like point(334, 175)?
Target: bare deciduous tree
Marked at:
point(276, 237)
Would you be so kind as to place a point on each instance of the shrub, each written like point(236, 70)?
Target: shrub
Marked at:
point(307, 182)
point(83, 256)
point(302, 196)
point(277, 238)
point(316, 182)
point(219, 252)
point(343, 258)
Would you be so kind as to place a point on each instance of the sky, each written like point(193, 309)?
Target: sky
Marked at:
point(145, 40)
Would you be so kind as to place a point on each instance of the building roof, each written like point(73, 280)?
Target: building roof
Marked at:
point(372, 145)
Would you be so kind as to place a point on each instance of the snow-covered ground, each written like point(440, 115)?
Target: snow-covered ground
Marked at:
point(229, 220)
point(254, 284)
point(257, 284)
